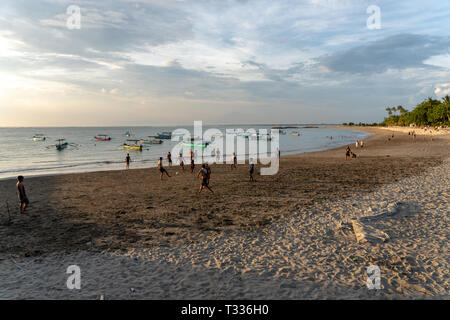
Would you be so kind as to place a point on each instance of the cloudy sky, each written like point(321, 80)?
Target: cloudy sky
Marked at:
point(169, 62)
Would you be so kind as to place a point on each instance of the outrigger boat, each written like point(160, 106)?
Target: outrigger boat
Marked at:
point(102, 137)
point(164, 135)
point(193, 144)
point(39, 137)
point(260, 137)
point(151, 141)
point(62, 144)
point(135, 146)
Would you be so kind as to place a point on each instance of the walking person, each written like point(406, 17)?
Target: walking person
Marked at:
point(233, 165)
point(162, 170)
point(205, 183)
point(251, 170)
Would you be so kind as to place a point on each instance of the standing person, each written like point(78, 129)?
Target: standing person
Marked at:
point(356, 144)
point(251, 170)
point(127, 160)
point(361, 143)
point(161, 168)
point(347, 153)
point(181, 161)
point(233, 165)
point(204, 172)
point(192, 165)
point(169, 159)
point(23, 199)
point(217, 155)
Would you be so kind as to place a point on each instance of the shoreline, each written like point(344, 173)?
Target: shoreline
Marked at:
point(147, 164)
point(285, 236)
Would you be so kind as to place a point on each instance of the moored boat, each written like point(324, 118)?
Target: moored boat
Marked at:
point(164, 135)
point(39, 137)
point(102, 137)
point(132, 145)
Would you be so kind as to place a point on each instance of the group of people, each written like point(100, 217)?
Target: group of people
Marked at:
point(359, 144)
point(412, 133)
point(205, 170)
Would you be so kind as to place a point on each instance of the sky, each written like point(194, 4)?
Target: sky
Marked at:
point(170, 62)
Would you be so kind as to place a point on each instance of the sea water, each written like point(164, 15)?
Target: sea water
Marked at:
point(20, 155)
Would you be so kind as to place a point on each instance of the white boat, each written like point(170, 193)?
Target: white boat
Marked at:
point(39, 137)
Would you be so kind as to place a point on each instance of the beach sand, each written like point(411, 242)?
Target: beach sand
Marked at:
point(286, 236)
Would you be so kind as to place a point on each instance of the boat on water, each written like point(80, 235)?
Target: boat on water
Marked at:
point(195, 143)
point(102, 137)
point(164, 135)
point(61, 144)
point(151, 141)
point(132, 145)
point(39, 137)
point(127, 134)
point(296, 134)
point(259, 137)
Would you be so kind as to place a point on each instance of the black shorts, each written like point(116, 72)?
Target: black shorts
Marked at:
point(24, 200)
point(205, 182)
point(162, 170)
point(251, 171)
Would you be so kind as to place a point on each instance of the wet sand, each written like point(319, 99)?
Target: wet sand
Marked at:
point(294, 226)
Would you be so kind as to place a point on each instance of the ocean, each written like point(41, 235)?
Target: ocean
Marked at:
point(20, 155)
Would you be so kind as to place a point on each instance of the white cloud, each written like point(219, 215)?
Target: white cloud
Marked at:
point(442, 61)
point(442, 90)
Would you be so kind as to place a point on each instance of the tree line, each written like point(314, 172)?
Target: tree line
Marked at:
point(430, 112)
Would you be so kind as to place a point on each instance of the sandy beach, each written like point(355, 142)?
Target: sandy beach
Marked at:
point(289, 236)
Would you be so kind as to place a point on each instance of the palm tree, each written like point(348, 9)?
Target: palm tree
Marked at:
point(446, 101)
point(389, 111)
point(402, 110)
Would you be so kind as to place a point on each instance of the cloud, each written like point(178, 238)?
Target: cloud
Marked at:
point(442, 90)
point(395, 52)
point(311, 60)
